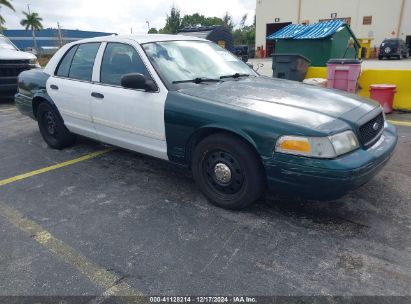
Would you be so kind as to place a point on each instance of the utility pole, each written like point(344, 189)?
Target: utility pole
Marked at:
point(59, 33)
point(400, 19)
point(32, 31)
point(148, 25)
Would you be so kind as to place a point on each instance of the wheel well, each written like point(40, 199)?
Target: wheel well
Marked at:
point(201, 134)
point(36, 102)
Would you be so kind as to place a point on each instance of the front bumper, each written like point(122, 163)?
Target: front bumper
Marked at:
point(389, 55)
point(8, 86)
point(326, 179)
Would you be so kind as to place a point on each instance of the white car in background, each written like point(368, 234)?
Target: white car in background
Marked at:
point(12, 63)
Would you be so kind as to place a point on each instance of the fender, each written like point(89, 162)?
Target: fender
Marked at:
point(236, 131)
point(189, 119)
point(41, 96)
point(206, 130)
point(32, 91)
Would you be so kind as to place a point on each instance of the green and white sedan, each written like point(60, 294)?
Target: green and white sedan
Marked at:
point(188, 101)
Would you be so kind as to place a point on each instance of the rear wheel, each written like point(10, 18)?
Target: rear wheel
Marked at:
point(228, 171)
point(52, 127)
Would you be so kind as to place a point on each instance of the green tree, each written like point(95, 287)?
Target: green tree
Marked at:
point(243, 20)
point(173, 21)
point(2, 22)
point(33, 22)
point(228, 21)
point(245, 34)
point(153, 30)
point(200, 20)
point(6, 3)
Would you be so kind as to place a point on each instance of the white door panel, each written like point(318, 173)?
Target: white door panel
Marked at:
point(73, 100)
point(131, 119)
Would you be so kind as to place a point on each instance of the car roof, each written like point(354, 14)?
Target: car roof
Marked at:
point(141, 38)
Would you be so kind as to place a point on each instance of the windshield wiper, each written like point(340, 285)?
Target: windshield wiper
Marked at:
point(236, 75)
point(197, 80)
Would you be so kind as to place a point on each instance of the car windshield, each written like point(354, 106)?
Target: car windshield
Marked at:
point(179, 61)
point(6, 44)
point(391, 43)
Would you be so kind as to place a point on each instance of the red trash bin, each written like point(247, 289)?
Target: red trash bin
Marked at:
point(384, 94)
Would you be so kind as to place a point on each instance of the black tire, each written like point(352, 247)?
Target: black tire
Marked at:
point(52, 127)
point(243, 185)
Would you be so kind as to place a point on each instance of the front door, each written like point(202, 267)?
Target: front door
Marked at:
point(70, 88)
point(129, 118)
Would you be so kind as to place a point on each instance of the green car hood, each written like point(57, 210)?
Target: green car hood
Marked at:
point(285, 100)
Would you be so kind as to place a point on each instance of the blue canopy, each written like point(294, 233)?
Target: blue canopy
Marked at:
point(290, 31)
point(313, 31)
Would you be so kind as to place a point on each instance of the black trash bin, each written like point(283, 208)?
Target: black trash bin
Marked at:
point(290, 66)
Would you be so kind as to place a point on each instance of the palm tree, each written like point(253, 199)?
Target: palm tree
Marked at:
point(5, 3)
point(33, 22)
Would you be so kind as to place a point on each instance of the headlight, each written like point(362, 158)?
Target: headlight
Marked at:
point(321, 147)
point(35, 62)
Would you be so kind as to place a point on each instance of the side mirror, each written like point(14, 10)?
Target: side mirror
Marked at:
point(137, 81)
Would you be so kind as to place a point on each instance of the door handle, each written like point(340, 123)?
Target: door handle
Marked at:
point(97, 95)
point(54, 87)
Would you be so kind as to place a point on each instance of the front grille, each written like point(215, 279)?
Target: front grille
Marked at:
point(13, 70)
point(14, 61)
point(371, 131)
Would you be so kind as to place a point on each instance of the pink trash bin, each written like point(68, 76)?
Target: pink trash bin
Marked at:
point(384, 94)
point(343, 74)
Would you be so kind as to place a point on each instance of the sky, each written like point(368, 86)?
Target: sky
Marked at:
point(119, 16)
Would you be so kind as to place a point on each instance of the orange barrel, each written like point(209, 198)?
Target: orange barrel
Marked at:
point(384, 94)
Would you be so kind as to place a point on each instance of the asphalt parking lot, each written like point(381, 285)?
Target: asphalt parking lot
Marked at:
point(116, 222)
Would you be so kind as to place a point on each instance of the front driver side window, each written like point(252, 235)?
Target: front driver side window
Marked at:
point(120, 59)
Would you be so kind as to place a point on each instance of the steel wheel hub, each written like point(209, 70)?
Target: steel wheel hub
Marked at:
point(222, 173)
point(50, 123)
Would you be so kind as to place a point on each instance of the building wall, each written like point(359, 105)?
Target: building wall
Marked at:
point(385, 15)
point(48, 37)
point(268, 10)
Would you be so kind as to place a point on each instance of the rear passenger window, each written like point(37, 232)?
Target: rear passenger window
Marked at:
point(120, 59)
point(64, 65)
point(83, 61)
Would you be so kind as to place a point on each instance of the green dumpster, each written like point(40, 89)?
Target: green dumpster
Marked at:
point(318, 42)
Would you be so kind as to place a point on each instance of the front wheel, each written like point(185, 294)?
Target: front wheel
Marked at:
point(228, 171)
point(52, 127)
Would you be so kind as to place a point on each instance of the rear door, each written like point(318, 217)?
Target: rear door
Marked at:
point(70, 87)
point(129, 118)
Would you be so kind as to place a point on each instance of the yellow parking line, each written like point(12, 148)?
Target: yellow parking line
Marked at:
point(100, 277)
point(400, 123)
point(53, 167)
